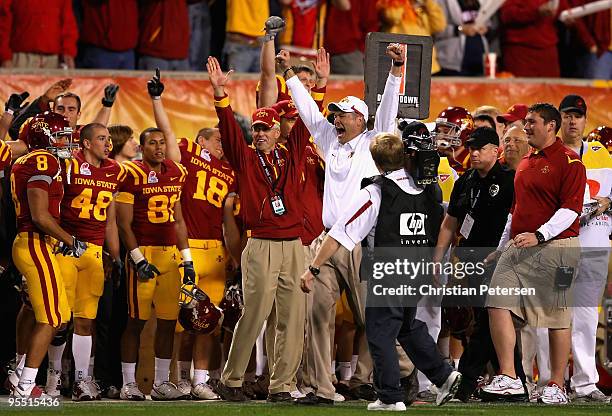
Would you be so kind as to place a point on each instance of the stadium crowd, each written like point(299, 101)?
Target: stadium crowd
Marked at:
point(248, 254)
point(181, 34)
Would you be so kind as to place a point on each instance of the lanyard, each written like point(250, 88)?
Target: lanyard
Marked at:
point(473, 200)
point(267, 171)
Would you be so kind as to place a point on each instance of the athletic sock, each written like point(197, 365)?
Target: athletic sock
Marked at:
point(162, 370)
point(81, 350)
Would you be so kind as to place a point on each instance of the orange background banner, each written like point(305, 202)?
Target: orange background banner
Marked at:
point(189, 102)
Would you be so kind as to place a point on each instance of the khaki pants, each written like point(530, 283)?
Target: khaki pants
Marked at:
point(271, 273)
point(35, 60)
point(340, 272)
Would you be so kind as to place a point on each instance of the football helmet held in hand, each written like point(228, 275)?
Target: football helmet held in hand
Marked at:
point(198, 314)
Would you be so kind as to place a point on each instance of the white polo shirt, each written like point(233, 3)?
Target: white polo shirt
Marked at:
point(345, 164)
point(361, 213)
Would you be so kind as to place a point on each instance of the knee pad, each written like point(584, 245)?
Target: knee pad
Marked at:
point(60, 337)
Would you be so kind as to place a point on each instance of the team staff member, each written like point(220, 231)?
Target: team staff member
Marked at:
point(36, 188)
point(478, 209)
point(345, 144)
point(152, 228)
point(90, 183)
point(549, 189)
point(210, 188)
point(595, 228)
point(273, 257)
point(381, 205)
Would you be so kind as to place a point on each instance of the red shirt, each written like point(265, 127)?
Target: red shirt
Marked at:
point(594, 29)
point(346, 30)
point(164, 29)
point(111, 24)
point(546, 181)
point(255, 189)
point(37, 26)
point(208, 183)
point(311, 194)
point(304, 24)
point(153, 195)
point(37, 169)
point(88, 191)
point(522, 24)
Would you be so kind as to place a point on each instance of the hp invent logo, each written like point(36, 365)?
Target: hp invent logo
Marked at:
point(412, 223)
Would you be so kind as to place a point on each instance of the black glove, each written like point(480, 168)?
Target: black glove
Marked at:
point(76, 250)
point(189, 274)
point(146, 270)
point(110, 93)
point(15, 100)
point(117, 273)
point(155, 86)
point(274, 25)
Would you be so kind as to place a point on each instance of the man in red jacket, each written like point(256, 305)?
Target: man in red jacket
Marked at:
point(37, 33)
point(164, 35)
point(529, 39)
point(109, 33)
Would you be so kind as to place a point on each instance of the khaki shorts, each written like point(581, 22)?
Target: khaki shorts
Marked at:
point(524, 283)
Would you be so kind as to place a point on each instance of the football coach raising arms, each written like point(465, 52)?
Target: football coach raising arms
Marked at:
point(544, 222)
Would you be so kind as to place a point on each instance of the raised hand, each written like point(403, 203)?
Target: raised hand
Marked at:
point(274, 25)
point(282, 59)
point(13, 104)
point(396, 52)
point(217, 78)
point(58, 88)
point(322, 66)
point(110, 94)
point(155, 86)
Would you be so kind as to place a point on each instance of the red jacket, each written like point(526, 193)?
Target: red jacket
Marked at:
point(523, 25)
point(594, 29)
point(164, 29)
point(345, 32)
point(37, 26)
point(110, 24)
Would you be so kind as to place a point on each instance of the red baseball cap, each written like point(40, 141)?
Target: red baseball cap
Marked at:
point(286, 109)
point(514, 113)
point(266, 116)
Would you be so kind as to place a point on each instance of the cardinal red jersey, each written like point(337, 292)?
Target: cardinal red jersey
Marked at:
point(461, 161)
point(313, 177)
point(5, 157)
point(208, 183)
point(88, 191)
point(37, 169)
point(153, 195)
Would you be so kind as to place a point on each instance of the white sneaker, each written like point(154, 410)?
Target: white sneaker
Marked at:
point(393, 407)
point(54, 383)
point(553, 394)
point(203, 391)
point(184, 386)
point(502, 386)
point(31, 391)
point(12, 380)
point(82, 391)
point(338, 397)
point(166, 391)
point(596, 396)
point(130, 391)
point(449, 388)
point(296, 394)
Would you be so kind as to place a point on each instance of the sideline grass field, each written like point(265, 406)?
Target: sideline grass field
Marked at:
point(150, 408)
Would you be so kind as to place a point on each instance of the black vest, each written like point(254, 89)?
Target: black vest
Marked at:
point(404, 219)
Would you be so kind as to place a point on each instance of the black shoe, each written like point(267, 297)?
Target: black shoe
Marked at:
point(465, 391)
point(364, 392)
point(282, 397)
point(247, 389)
point(343, 389)
point(410, 385)
point(231, 394)
point(260, 387)
point(312, 400)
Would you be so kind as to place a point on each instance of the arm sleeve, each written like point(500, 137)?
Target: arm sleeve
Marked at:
point(358, 219)
point(520, 12)
point(505, 237)
point(70, 33)
point(234, 145)
point(387, 110)
point(558, 223)
point(322, 131)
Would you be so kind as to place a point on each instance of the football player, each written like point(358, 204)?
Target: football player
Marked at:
point(36, 188)
point(210, 186)
point(453, 127)
point(90, 181)
point(151, 227)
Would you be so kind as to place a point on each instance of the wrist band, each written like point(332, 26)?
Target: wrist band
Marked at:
point(136, 255)
point(186, 254)
point(396, 63)
point(287, 70)
point(157, 97)
point(9, 111)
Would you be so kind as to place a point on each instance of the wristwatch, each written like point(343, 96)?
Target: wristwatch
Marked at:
point(540, 237)
point(314, 270)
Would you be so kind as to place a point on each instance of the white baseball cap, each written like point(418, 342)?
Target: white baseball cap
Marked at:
point(350, 104)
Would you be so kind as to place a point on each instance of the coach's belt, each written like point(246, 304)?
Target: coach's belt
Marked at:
point(205, 244)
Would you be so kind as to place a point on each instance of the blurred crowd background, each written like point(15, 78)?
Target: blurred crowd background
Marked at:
point(525, 38)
